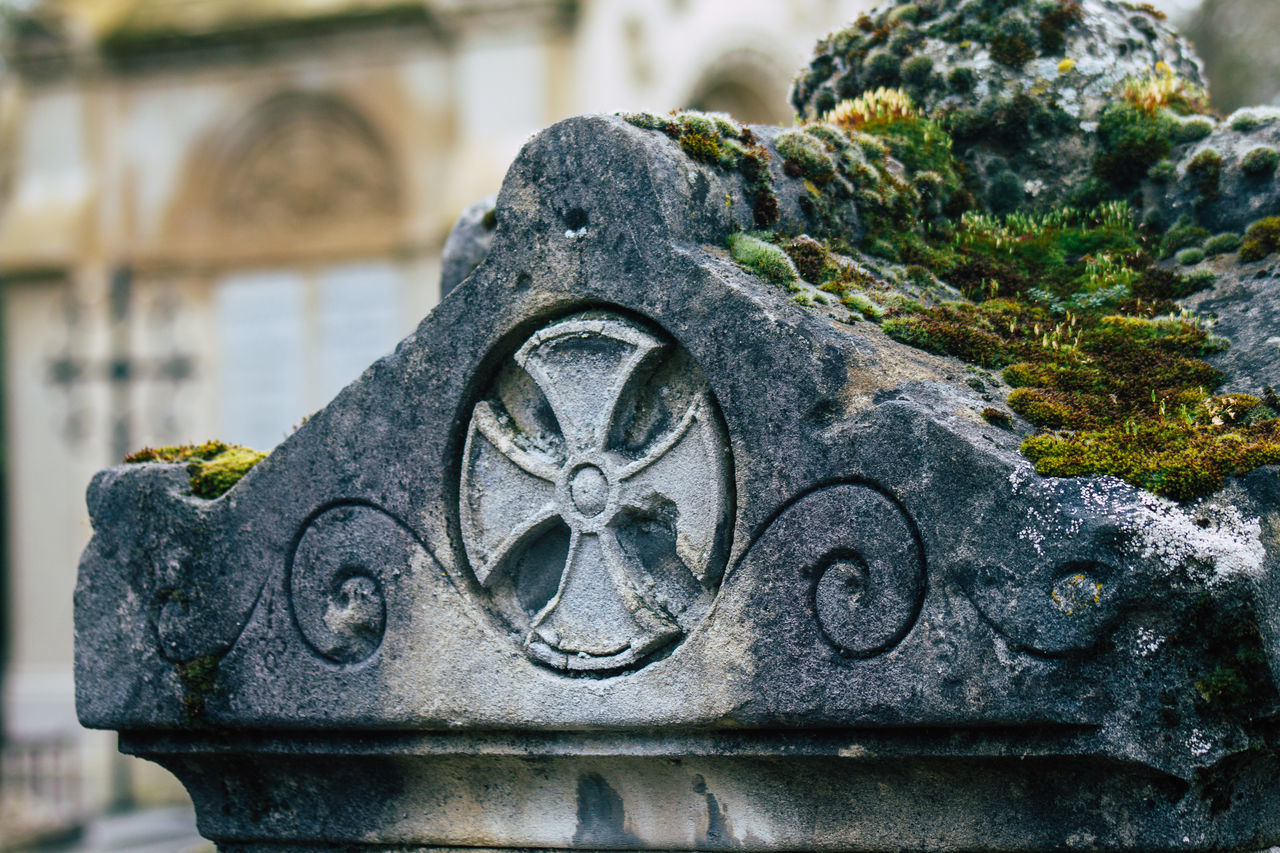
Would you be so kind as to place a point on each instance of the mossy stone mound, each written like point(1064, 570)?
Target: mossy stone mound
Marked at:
point(1022, 85)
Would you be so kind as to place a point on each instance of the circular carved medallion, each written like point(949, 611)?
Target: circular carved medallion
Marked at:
point(595, 494)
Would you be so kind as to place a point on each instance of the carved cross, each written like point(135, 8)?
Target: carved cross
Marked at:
point(604, 613)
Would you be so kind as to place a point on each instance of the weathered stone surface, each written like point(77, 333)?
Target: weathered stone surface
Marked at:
point(1244, 305)
point(623, 548)
point(467, 244)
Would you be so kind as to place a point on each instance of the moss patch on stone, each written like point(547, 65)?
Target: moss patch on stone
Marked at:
point(1261, 240)
point(767, 260)
point(719, 141)
point(1119, 387)
point(213, 467)
point(1069, 302)
point(1235, 679)
point(199, 679)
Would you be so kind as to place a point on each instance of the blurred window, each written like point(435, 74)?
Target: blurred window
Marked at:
point(359, 305)
point(261, 342)
point(289, 342)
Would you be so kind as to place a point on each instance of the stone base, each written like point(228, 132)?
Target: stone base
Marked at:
point(847, 790)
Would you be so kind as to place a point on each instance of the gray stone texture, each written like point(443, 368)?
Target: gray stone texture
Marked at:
point(1244, 307)
point(804, 597)
point(467, 244)
point(1245, 190)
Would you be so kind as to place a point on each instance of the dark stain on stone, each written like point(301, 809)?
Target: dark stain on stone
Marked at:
point(717, 826)
point(601, 816)
point(717, 834)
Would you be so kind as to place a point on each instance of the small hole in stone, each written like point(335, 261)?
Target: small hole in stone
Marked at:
point(575, 219)
point(1202, 522)
point(523, 281)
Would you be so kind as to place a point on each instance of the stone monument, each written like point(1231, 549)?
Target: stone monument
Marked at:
point(645, 540)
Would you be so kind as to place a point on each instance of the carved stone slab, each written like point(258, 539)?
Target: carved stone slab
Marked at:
point(623, 549)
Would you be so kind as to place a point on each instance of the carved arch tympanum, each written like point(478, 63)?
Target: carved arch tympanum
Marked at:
point(301, 158)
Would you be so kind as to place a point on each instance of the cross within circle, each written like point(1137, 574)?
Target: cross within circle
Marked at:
point(595, 494)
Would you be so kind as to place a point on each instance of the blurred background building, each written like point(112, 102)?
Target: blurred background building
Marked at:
point(216, 213)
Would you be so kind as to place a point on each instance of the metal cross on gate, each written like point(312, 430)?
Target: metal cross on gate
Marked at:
point(120, 369)
point(606, 610)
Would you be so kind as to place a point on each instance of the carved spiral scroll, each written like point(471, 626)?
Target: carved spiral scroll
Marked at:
point(348, 559)
point(863, 559)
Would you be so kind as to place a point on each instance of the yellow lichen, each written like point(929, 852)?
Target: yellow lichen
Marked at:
point(1076, 593)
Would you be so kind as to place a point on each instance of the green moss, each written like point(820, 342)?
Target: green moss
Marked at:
point(199, 679)
point(1164, 172)
point(1235, 678)
point(917, 74)
point(1247, 120)
point(1006, 193)
point(861, 303)
point(1191, 129)
point(1200, 279)
point(646, 121)
point(213, 467)
point(882, 69)
point(1220, 244)
point(701, 147)
point(962, 80)
point(1054, 23)
point(1261, 240)
point(1185, 233)
point(812, 259)
point(995, 417)
point(1048, 409)
point(765, 259)
point(909, 12)
point(216, 476)
point(805, 155)
point(1068, 302)
point(1260, 162)
point(955, 329)
point(1170, 458)
point(1205, 172)
point(718, 140)
point(1014, 43)
point(1132, 393)
point(1132, 140)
